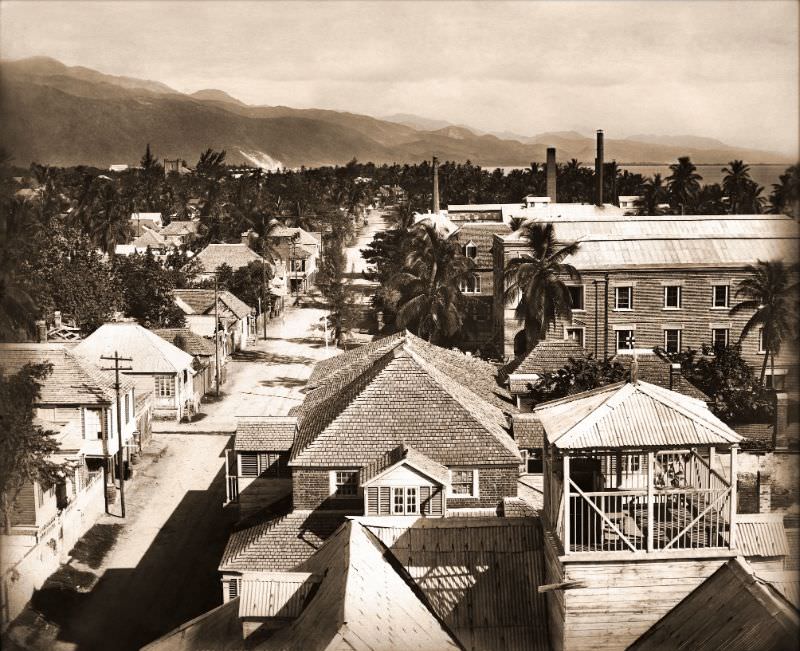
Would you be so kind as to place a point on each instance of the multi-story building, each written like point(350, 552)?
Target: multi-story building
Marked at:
point(658, 281)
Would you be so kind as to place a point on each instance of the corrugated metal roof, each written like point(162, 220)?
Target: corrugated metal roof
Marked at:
point(636, 414)
point(480, 575)
point(150, 353)
point(275, 594)
point(730, 610)
point(761, 534)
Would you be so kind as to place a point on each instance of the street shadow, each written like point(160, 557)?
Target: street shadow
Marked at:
point(175, 581)
point(288, 382)
point(271, 358)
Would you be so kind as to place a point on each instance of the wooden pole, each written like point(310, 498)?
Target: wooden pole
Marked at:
point(566, 505)
point(216, 334)
point(650, 522)
point(120, 459)
point(732, 517)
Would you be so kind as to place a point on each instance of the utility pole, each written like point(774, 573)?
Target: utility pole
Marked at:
point(120, 466)
point(263, 293)
point(216, 335)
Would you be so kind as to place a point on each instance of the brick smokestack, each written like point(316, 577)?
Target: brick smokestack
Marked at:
point(551, 174)
point(435, 184)
point(598, 169)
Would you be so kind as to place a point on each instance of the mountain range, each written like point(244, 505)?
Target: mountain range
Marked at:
point(72, 115)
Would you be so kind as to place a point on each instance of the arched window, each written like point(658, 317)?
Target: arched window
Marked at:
point(471, 284)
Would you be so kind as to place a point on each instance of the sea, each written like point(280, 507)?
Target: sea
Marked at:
point(765, 175)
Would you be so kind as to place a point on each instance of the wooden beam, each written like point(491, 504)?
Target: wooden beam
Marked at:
point(566, 504)
point(734, 482)
point(564, 585)
point(650, 477)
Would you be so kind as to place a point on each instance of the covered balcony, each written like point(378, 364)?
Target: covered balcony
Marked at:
point(635, 468)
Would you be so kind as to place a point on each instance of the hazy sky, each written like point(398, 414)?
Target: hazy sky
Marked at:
point(721, 69)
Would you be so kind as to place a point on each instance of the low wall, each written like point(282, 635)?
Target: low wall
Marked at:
point(20, 578)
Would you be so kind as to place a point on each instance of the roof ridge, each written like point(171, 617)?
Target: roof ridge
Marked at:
point(601, 410)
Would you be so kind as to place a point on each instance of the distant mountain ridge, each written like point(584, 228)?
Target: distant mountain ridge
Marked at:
point(71, 115)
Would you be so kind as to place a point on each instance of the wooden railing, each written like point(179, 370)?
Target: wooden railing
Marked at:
point(682, 518)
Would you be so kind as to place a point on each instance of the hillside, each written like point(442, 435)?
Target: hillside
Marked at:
point(69, 115)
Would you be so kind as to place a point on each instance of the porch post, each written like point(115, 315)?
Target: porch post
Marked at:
point(566, 504)
point(732, 517)
point(650, 522)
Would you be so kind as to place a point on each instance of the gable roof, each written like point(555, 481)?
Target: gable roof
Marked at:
point(631, 415)
point(348, 419)
point(731, 610)
point(402, 454)
point(260, 433)
point(362, 603)
point(149, 238)
point(280, 544)
point(482, 235)
point(303, 236)
point(201, 301)
point(150, 353)
point(480, 575)
point(180, 227)
point(235, 256)
point(656, 368)
point(218, 629)
point(73, 381)
point(189, 342)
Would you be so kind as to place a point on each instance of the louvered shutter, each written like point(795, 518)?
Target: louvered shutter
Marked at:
point(385, 500)
point(249, 464)
point(424, 500)
point(437, 502)
point(372, 500)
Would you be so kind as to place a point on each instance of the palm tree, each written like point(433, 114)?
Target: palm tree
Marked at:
point(683, 184)
point(710, 200)
point(535, 281)
point(654, 193)
point(770, 293)
point(431, 303)
point(734, 183)
point(785, 197)
point(752, 203)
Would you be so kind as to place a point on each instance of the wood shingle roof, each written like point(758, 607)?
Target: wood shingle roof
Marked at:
point(201, 301)
point(265, 433)
point(235, 256)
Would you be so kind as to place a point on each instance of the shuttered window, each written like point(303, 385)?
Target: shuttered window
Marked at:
point(233, 588)
point(385, 496)
point(248, 464)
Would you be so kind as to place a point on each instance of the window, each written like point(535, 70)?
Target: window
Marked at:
point(719, 337)
point(92, 424)
point(576, 296)
point(776, 381)
point(672, 340)
point(346, 483)
point(471, 285)
point(623, 298)
point(574, 334)
point(404, 500)
point(470, 250)
point(761, 348)
point(719, 296)
point(463, 483)
point(165, 386)
point(248, 464)
point(535, 462)
point(631, 463)
point(626, 339)
point(233, 588)
point(672, 297)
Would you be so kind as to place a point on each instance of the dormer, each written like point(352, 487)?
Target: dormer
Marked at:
point(470, 250)
point(273, 600)
point(404, 482)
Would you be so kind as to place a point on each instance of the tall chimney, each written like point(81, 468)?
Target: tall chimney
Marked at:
point(435, 185)
point(41, 331)
point(551, 174)
point(598, 169)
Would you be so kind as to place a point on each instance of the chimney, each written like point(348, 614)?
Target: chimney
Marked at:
point(551, 174)
point(41, 331)
point(781, 427)
point(764, 491)
point(435, 185)
point(674, 373)
point(57, 318)
point(598, 169)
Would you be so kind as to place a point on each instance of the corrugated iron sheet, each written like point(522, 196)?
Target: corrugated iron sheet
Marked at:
point(761, 535)
point(279, 596)
point(480, 575)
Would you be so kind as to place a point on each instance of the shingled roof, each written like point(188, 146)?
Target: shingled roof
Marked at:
point(73, 380)
point(235, 256)
point(549, 355)
point(180, 227)
point(260, 433)
point(528, 431)
point(279, 544)
point(186, 340)
point(407, 392)
point(481, 234)
point(731, 610)
point(404, 454)
point(656, 368)
point(201, 301)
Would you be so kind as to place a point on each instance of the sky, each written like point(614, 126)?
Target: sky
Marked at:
point(726, 70)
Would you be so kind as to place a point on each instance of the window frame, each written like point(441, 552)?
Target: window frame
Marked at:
point(582, 289)
point(466, 248)
point(714, 305)
point(632, 333)
point(582, 330)
point(335, 484)
point(679, 342)
point(679, 296)
point(714, 332)
point(405, 494)
point(476, 284)
point(629, 291)
point(474, 492)
point(165, 382)
point(761, 349)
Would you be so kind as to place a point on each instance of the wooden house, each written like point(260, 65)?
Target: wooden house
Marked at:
point(635, 514)
point(235, 316)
